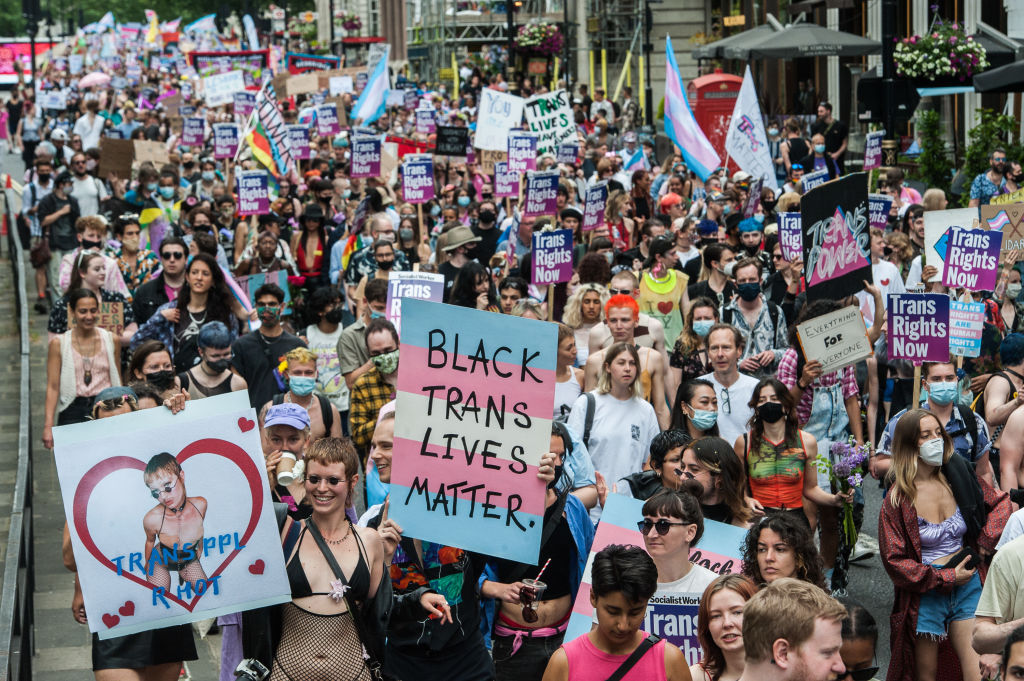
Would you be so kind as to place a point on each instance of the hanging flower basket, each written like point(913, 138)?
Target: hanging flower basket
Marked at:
point(945, 52)
point(540, 38)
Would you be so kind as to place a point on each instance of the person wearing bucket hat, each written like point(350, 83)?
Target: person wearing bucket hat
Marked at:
point(458, 244)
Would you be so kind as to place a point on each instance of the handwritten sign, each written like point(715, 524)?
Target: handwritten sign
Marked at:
point(791, 236)
point(111, 317)
point(873, 149)
point(497, 114)
point(425, 122)
point(549, 115)
point(253, 198)
point(1011, 197)
point(972, 259)
point(966, 326)
point(225, 140)
point(671, 615)
point(551, 260)
point(365, 160)
point(522, 151)
point(595, 203)
point(415, 285)
point(1007, 218)
point(878, 210)
point(298, 137)
point(192, 132)
point(220, 88)
point(837, 339)
point(506, 181)
point(475, 391)
point(327, 124)
point(834, 218)
point(244, 102)
point(418, 178)
point(918, 327)
point(226, 556)
point(541, 193)
point(938, 224)
point(451, 140)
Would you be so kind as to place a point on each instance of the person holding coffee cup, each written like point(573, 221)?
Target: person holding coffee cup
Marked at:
point(285, 434)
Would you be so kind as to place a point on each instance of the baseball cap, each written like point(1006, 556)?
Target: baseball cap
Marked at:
point(287, 414)
point(740, 176)
point(59, 134)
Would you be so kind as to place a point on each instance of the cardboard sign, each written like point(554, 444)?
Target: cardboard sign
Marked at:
point(549, 115)
point(475, 391)
point(412, 285)
point(551, 259)
point(339, 85)
point(365, 160)
point(192, 132)
point(150, 151)
point(671, 615)
point(873, 149)
point(111, 318)
point(225, 140)
point(541, 193)
point(116, 156)
point(486, 160)
point(522, 151)
point(878, 210)
point(791, 236)
point(303, 84)
point(506, 182)
point(972, 259)
point(567, 153)
point(837, 339)
point(595, 204)
point(918, 327)
point(253, 197)
point(418, 178)
point(1009, 219)
point(1012, 197)
point(937, 226)
point(811, 180)
point(244, 103)
point(220, 88)
point(425, 122)
point(327, 124)
point(451, 141)
point(497, 115)
point(225, 553)
point(298, 137)
point(836, 238)
point(966, 326)
point(252, 282)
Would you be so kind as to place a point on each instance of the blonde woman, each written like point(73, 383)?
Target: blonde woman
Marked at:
point(938, 522)
point(583, 311)
point(620, 227)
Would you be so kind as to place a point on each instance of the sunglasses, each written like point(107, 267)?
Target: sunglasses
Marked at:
point(166, 489)
point(865, 674)
point(662, 526)
point(173, 255)
point(332, 480)
point(621, 291)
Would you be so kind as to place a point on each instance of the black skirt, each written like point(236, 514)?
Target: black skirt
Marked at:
point(145, 649)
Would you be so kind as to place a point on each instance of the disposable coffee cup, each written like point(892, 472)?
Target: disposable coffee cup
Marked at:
point(285, 473)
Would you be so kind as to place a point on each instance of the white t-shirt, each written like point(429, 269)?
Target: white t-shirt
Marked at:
point(733, 413)
point(620, 436)
point(330, 383)
point(695, 581)
point(888, 280)
point(88, 191)
point(89, 131)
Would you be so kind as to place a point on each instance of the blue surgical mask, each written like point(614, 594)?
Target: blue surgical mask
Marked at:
point(435, 210)
point(208, 175)
point(151, 187)
point(346, 193)
point(726, 209)
point(167, 192)
point(301, 385)
point(377, 315)
point(702, 327)
point(819, 148)
point(759, 218)
point(704, 419)
point(463, 201)
point(943, 392)
point(773, 131)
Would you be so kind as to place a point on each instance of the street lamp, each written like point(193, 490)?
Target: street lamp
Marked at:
point(511, 7)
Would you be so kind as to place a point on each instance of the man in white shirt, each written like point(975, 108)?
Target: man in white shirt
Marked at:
point(86, 189)
point(734, 390)
point(886, 277)
point(90, 126)
point(602, 104)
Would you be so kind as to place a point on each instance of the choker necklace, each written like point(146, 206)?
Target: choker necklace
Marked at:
point(336, 542)
point(181, 508)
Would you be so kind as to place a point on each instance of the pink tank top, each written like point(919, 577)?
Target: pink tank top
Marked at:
point(587, 663)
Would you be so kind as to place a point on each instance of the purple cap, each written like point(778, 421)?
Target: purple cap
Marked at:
point(287, 414)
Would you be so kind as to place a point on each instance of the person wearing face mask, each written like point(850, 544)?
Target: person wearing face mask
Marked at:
point(31, 198)
point(1011, 309)
point(300, 373)
point(58, 214)
point(990, 183)
point(761, 322)
point(327, 310)
point(363, 262)
point(719, 262)
point(91, 232)
point(167, 196)
point(1014, 177)
point(820, 159)
point(151, 362)
point(689, 358)
point(212, 375)
point(207, 183)
point(967, 430)
point(486, 229)
point(775, 148)
point(136, 264)
point(87, 190)
point(695, 410)
point(375, 387)
point(938, 521)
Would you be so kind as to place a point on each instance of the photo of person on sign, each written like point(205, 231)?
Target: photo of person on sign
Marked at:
point(174, 527)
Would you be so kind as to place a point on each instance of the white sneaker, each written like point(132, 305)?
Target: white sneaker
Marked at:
point(865, 547)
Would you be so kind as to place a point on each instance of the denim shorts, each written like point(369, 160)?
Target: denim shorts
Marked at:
point(937, 609)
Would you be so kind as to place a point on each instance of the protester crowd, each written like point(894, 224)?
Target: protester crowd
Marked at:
point(680, 382)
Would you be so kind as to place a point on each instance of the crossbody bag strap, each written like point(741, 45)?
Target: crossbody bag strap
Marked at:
point(631, 661)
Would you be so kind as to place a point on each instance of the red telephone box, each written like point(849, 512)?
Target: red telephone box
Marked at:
point(713, 98)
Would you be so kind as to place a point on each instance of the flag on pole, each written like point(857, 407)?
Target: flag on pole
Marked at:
point(746, 142)
point(637, 161)
point(106, 23)
point(204, 24)
point(681, 126)
point(153, 30)
point(267, 134)
point(370, 105)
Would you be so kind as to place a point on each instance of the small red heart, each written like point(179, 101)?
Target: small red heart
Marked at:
point(257, 567)
point(128, 609)
point(245, 425)
point(665, 306)
point(885, 282)
point(111, 620)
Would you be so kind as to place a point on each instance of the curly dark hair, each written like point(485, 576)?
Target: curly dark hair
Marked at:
point(796, 535)
point(594, 269)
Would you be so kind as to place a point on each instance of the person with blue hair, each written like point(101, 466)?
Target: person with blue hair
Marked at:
point(212, 375)
point(1004, 392)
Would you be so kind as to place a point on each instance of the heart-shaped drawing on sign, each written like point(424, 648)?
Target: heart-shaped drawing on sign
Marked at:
point(128, 609)
point(257, 567)
point(665, 306)
point(245, 425)
point(110, 620)
point(101, 470)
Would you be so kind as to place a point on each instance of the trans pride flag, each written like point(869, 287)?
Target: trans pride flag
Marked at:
point(681, 126)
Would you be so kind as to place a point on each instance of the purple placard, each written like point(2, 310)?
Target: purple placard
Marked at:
point(522, 151)
point(192, 132)
point(361, 79)
point(791, 236)
point(541, 196)
point(972, 259)
point(567, 153)
point(410, 100)
point(253, 197)
point(187, 110)
point(506, 182)
point(245, 102)
point(327, 124)
point(418, 178)
point(873, 150)
point(365, 160)
point(552, 257)
point(811, 180)
point(298, 137)
point(918, 328)
point(878, 210)
point(594, 205)
point(425, 122)
point(225, 140)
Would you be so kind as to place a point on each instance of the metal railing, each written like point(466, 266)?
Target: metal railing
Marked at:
point(17, 619)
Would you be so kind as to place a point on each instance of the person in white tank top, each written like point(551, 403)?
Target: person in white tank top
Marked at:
point(568, 379)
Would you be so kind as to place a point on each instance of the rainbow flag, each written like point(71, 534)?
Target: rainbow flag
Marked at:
point(259, 143)
point(353, 245)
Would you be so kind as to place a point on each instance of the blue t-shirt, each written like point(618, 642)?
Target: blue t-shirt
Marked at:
point(984, 189)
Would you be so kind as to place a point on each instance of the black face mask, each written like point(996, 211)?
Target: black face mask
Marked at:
point(768, 204)
point(44, 177)
point(87, 244)
point(558, 476)
point(333, 316)
point(887, 251)
point(385, 264)
point(219, 365)
point(770, 412)
point(161, 379)
point(487, 216)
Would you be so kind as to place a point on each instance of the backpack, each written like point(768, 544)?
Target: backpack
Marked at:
point(971, 421)
point(588, 420)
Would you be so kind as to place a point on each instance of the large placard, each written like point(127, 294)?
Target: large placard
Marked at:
point(594, 205)
point(418, 178)
point(1009, 219)
point(551, 257)
point(497, 115)
point(475, 396)
point(834, 218)
point(541, 196)
point(937, 226)
point(365, 157)
point(791, 236)
point(417, 285)
point(918, 328)
point(549, 115)
point(972, 259)
point(837, 339)
point(966, 327)
point(451, 140)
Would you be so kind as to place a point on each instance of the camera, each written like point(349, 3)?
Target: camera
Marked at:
point(251, 670)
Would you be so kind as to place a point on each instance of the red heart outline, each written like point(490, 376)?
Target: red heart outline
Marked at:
point(101, 470)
